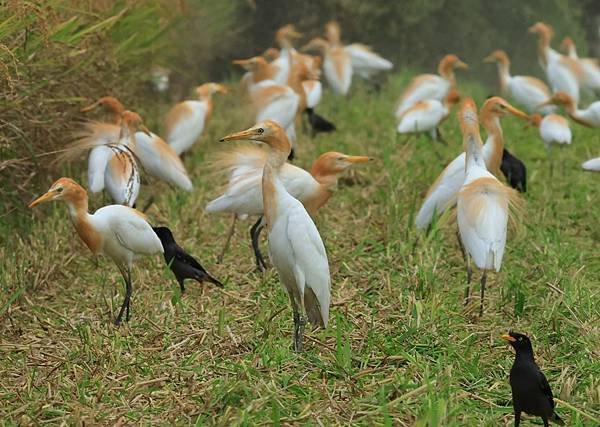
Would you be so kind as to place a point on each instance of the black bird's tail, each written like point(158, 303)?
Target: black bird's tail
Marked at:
point(558, 420)
point(205, 277)
point(318, 123)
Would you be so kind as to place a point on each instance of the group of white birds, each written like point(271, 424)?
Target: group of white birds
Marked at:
point(280, 85)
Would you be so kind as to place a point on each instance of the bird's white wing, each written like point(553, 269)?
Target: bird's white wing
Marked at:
point(592, 165)
point(425, 86)
point(97, 162)
point(338, 70)
point(160, 160)
point(555, 131)
point(443, 192)
point(275, 102)
point(295, 245)
point(130, 228)
point(529, 92)
point(185, 124)
point(243, 195)
point(313, 89)
point(365, 61)
point(422, 117)
point(298, 182)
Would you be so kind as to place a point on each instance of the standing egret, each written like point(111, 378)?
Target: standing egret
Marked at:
point(442, 193)
point(337, 65)
point(526, 90)
point(589, 66)
point(117, 231)
point(482, 206)
point(562, 72)
point(243, 195)
point(426, 116)
point(431, 86)
point(295, 246)
point(589, 117)
point(185, 121)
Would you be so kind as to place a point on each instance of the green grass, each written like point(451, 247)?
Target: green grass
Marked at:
point(400, 350)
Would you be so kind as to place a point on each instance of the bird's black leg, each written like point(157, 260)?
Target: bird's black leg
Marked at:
point(517, 418)
point(255, 235)
point(483, 280)
point(181, 285)
point(228, 240)
point(439, 137)
point(546, 422)
point(126, 273)
point(299, 323)
point(467, 261)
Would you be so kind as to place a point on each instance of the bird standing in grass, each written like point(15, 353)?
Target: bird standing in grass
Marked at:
point(295, 246)
point(531, 392)
point(442, 193)
point(482, 207)
point(243, 196)
point(427, 116)
point(431, 86)
point(526, 90)
point(183, 265)
point(589, 117)
point(337, 65)
point(117, 231)
point(185, 121)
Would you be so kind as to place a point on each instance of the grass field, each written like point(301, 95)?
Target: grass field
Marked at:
point(401, 349)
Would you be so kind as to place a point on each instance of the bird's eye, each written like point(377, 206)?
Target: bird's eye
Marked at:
point(520, 338)
point(59, 190)
point(261, 130)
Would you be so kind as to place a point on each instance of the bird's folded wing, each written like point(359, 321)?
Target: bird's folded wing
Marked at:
point(132, 231)
point(186, 258)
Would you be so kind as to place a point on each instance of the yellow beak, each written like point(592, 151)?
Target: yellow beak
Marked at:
point(508, 338)
point(489, 58)
point(358, 159)
point(43, 198)
point(547, 102)
point(518, 113)
point(461, 65)
point(245, 134)
point(145, 130)
point(222, 89)
point(90, 107)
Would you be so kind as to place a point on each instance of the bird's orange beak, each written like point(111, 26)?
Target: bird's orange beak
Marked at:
point(547, 102)
point(90, 107)
point(246, 64)
point(508, 338)
point(533, 29)
point(294, 34)
point(489, 58)
point(518, 113)
point(358, 159)
point(222, 88)
point(243, 135)
point(46, 197)
point(461, 65)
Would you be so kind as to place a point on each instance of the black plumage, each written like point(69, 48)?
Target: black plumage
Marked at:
point(531, 392)
point(514, 170)
point(183, 265)
point(318, 123)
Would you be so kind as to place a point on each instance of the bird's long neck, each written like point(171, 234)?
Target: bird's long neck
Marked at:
point(297, 75)
point(327, 184)
point(494, 144)
point(207, 99)
point(262, 71)
point(272, 188)
point(543, 47)
point(503, 74)
point(78, 211)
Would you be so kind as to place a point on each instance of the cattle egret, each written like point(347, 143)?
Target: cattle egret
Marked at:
point(111, 105)
point(243, 195)
point(186, 121)
point(589, 116)
point(554, 129)
point(527, 91)
point(426, 116)
point(431, 86)
point(337, 65)
point(117, 231)
point(563, 73)
point(295, 246)
point(482, 207)
point(589, 66)
point(442, 193)
point(282, 65)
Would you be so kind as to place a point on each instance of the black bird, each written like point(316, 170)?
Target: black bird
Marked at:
point(183, 265)
point(514, 170)
point(318, 123)
point(531, 392)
